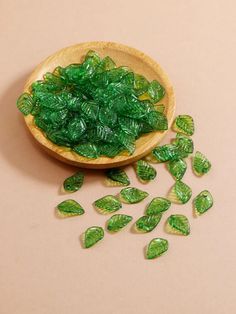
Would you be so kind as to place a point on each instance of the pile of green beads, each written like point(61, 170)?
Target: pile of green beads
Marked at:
point(95, 108)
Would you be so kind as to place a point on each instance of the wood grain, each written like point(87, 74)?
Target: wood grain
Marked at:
point(122, 55)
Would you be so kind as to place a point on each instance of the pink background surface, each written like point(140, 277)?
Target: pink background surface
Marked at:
point(43, 269)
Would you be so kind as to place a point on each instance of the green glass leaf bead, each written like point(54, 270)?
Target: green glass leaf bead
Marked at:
point(36, 109)
point(156, 248)
point(145, 128)
point(74, 183)
point(118, 222)
point(184, 124)
point(69, 208)
point(107, 204)
point(178, 224)
point(180, 193)
point(89, 66)
point(90, 110)
point(202, 202)
point(156, 91)
point(184, 144)
point(126, 140)
point(87, 150)
point(92, 236)
point(101, 133)
point(201, 165)
point(76, 127)
point(157, 121)
point(39, 122)
point(58, 71)
point(129, 106)
point(52, 102)
point(136, 108)
point(129, 125)
point(147, 223)
point(58, 118)
point(25, 103)
point(105, 65)
point(100, 81)
point(91, 54)
point(52, 120)
point(104, 133)
point(159, 107)
point(74, 104)
point(114, 90)
point(116, 74)
point(166, 153)
point(177, 168)
point(56, 81)
point(43, 86)
point(144, 171)
point(157, 205)
point(73, 73)
point(132, 195)
point(58, 137)
point(117, 177)
point(109, 150)
point(107, 116)
point(128, 82)
point(141, 84)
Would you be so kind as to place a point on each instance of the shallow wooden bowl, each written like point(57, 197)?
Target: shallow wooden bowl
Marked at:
point(122, 55)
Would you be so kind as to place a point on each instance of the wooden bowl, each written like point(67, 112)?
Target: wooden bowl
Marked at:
point(122, 55)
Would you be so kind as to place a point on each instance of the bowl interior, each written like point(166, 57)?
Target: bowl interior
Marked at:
point(123, 56)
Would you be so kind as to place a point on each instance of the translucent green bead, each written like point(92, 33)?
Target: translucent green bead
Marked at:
point(156, 248)
point(93, 235)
